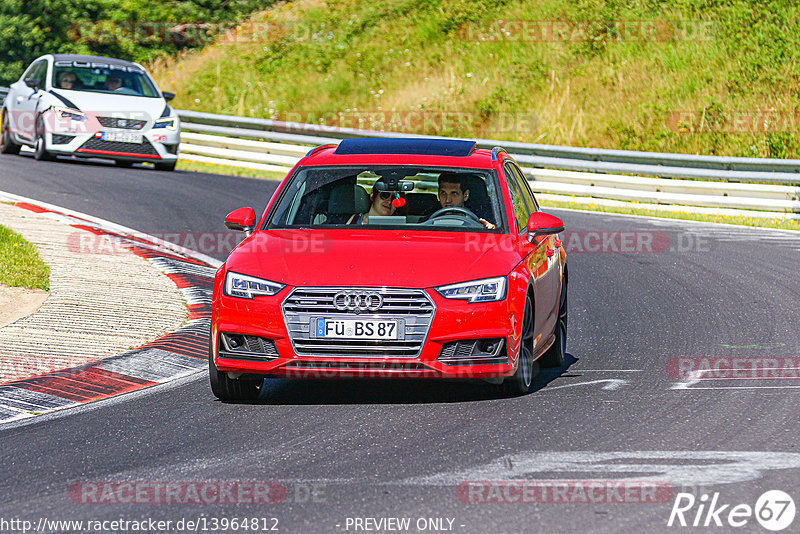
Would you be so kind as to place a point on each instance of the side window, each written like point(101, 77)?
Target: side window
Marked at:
point(36, 71)
point(517, 201)
point(525, 188)
point(41, 73)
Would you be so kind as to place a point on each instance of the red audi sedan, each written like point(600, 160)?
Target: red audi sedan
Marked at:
point(407, 258)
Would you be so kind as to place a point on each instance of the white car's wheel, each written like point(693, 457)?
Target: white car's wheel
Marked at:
point(40, 152)
point(7, 144)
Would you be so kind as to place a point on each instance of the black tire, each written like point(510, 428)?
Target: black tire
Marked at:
point(40, 152)
point(166, 165)
point(527, 368)
point(554, 357)
point(230, 389)
point(7, 145)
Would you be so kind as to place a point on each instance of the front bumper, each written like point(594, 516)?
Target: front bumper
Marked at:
point(82, 139)
point(452, 320)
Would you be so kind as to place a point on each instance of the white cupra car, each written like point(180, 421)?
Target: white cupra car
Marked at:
point(90, 106)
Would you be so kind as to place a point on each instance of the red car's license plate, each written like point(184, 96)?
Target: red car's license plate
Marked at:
point(357, 328)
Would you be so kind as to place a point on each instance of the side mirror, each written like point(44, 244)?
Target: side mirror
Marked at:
point(242, 219)
point(540, 223)
point(33, 83)
point(167, 95)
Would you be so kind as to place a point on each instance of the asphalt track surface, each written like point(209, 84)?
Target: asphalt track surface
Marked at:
point(400, 449)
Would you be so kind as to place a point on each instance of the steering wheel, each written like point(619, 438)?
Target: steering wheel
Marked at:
point(443, 212)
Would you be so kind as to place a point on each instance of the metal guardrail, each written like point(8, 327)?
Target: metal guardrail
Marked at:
point(752, 187)
point(768, 190)
point(729, 169)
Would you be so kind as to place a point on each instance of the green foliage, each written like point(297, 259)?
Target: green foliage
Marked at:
point(20, 264)
point(137, 30)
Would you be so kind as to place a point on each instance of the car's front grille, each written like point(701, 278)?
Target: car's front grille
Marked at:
point(126, 124)
point(95, 143)
point(411, 308)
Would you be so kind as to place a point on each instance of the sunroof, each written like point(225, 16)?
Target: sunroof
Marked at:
point(423, 147)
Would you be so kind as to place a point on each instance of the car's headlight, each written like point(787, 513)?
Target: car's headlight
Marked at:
point(247, 287)
point(67, 113)
point(486, 290)
point(170, 123)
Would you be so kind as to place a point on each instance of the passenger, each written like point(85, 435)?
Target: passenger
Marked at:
point(67, 80)
point(380, 205)
point(113, 83)
point(453, 193)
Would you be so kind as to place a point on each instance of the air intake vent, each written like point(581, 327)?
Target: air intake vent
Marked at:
point(242, 347)
point(474, 352)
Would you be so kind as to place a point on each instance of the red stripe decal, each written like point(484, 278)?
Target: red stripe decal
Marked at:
point(111, 153)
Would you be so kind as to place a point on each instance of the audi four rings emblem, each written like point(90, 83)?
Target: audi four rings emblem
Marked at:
point(357, 301)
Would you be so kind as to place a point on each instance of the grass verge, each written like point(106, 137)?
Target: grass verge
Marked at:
point(227, 170)
point(20, 264)
point(713, 77)
point(725, 219)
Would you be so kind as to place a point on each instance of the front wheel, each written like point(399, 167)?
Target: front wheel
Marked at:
point(520, 382)
point(7, 144)
point(231, 389)
point(40, 152)
point(554, 357)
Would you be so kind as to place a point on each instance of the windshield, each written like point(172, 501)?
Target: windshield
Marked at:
point(390, 197)
point(103, 78)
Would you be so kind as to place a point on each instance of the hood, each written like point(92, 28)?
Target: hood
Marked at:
point(391, 258)
point(134, 107)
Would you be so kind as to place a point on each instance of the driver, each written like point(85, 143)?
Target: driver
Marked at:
point(453, 192)
point(66, 80)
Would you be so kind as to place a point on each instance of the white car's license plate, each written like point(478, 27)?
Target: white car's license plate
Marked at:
point(122, 137)
point(357, 328)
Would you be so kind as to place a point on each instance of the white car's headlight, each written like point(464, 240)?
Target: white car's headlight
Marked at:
point(486, 290)
point(170, 123)
point(247, 287)
point(67, 113)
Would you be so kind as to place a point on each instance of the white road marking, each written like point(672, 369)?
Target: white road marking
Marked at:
point(611, 384)
point(606, 370)
point(687, 468)
point(688, 383)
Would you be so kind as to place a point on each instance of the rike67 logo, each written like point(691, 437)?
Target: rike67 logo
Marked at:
point(774, 510)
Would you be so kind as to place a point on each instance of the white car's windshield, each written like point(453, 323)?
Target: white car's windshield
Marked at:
point(383, 197)
point(100, 78)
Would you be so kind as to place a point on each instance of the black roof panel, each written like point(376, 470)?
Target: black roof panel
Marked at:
point(93, 59)
point(422, 147)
